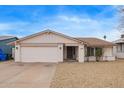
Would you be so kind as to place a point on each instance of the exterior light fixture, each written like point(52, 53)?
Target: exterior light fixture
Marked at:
point(60, 48)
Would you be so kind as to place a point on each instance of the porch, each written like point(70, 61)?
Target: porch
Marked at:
point(70, 53)
point(73, 53)
point(99, 54)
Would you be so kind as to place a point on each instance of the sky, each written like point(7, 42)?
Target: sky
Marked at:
point(75, 21)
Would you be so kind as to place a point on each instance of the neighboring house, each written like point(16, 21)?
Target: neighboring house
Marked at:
point(4, 40)
point(119, 50)
point(50, 46)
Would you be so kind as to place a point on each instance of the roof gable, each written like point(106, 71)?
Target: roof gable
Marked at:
point(49, 32)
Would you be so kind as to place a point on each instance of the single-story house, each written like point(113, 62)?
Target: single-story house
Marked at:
point(7, 49)
point(51, 46)
point(119, 50)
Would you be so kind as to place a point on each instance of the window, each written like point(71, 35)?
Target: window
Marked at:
point(90, 51)
point(93, 51)
point(120, 48)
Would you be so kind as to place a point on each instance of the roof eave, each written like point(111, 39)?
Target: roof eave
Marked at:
point(102, 45)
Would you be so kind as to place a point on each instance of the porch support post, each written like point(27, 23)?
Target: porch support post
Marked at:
point(60, 52)
point(17, 53)
point(114, 50)
point(81, 53)
point(94, 51)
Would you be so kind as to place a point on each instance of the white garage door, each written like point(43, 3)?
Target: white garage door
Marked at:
point(39, 54)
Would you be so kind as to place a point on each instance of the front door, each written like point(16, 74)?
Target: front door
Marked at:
point(71, 53)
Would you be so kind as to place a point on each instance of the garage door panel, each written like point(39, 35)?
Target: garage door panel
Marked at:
point(39, 54)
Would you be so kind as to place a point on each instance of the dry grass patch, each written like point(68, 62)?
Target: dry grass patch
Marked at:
point(93, 74)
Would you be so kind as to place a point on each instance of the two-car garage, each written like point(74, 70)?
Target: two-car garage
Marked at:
point(39, 54)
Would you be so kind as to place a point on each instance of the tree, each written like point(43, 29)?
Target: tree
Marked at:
point(98, 54)
point(104, 37)
point(121, 19)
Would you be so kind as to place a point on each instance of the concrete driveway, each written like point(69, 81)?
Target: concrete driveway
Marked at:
point(26, 75)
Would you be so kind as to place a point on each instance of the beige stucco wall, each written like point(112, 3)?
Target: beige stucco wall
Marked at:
point(108, 51)
point(17, 53)
point(32, 53)
point(60, 52)
point(108, 54)
point(49, 38)
point(81, 53)
point(114, 50)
